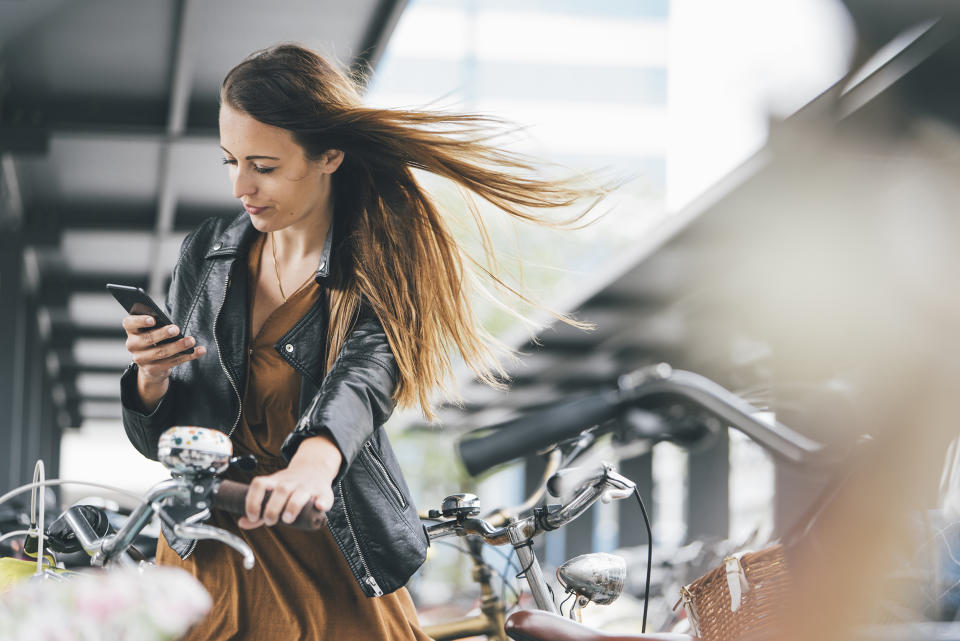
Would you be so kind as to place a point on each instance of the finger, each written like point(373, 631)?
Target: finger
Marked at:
point(151, 338)
point(134, 323)
point(276, 503)
point(161, 352)
point(143, 343)
point(295, 505)
point(258, 489)
point(247, 524)
point(324, 500)
point(139, 341)
point(159, 368)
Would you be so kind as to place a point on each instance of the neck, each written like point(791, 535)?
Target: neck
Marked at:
point(303, 240)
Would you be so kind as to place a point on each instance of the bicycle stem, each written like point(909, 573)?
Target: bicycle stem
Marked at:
point(113, 546)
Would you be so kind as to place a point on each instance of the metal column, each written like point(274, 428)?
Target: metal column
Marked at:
point(13, 324)
point(632, 530)
point(708, 491)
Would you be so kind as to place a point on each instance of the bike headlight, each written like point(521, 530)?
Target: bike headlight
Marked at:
point(598, 576)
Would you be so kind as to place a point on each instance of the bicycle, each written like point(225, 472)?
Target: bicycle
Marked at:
point(650, 388)
point(646, 388)
point(196, 458)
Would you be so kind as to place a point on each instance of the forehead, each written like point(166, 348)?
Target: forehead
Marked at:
point(243, 135)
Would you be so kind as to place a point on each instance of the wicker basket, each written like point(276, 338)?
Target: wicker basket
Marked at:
point(741, 599)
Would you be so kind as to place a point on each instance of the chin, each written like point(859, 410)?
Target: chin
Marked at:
point(261, 224)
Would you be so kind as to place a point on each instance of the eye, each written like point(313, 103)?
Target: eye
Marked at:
point(263, 170)
point(229, 161)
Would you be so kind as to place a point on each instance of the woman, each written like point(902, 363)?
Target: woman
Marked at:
point(336, 295)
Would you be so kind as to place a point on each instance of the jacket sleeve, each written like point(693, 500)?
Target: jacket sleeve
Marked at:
point(144, 429)
point(356, 396)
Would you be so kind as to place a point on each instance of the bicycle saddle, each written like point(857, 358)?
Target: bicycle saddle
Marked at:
point(534, 625)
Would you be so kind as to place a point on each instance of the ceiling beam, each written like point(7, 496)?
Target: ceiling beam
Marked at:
point(64, 339)
point(56, 287)
point(45, 223)
point(72, 368)
point(189, 31)
point(378, 33)
point(24, 139)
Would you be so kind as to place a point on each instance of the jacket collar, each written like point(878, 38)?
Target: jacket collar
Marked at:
point(238, 235)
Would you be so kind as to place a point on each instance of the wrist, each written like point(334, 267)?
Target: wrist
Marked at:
point(151, 390)
point(318, 450)
point(146, 381)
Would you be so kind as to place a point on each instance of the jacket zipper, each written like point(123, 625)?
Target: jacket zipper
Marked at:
point(233, 385)
point(368, 578)
point(383, 472)
point(193, 546)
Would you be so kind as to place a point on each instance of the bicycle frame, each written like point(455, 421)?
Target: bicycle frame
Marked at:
point(492, 616)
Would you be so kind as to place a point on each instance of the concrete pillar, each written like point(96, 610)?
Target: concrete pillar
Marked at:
point(708, 491)
point(795, 491)
point(632, 530)
point(13, 324)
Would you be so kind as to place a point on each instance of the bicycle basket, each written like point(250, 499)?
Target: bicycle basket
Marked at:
point(742, 598)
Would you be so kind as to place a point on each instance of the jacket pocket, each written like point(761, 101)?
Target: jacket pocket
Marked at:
point(378, 470)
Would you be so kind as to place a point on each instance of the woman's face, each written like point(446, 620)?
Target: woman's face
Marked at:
point(271, 175)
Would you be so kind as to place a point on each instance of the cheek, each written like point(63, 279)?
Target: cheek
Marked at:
point(300, 195)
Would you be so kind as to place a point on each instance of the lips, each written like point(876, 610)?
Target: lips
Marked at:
point(253, 211)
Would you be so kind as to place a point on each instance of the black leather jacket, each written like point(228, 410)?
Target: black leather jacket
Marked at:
point(373, 519)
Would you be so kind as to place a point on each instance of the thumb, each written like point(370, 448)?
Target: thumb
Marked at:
point(324, 501)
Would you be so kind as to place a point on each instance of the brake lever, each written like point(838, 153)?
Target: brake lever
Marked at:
point(618, 486)
point(203, 531)
point(615, 494)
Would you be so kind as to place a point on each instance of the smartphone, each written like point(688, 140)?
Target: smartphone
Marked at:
point(138, 302)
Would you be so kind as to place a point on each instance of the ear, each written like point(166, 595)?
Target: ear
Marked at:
point(330, 160)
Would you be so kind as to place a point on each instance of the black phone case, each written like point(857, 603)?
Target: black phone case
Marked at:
point(138, 302)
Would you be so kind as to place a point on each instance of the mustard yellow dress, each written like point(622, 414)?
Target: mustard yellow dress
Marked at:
point(301, 587)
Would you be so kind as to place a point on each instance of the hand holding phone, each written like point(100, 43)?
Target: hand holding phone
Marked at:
point(154, 342)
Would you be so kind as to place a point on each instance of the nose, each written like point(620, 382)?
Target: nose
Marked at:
point(244, 183)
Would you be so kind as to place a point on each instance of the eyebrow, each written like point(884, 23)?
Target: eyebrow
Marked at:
point(253, 157)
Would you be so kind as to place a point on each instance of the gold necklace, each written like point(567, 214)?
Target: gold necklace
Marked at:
point(276, 269)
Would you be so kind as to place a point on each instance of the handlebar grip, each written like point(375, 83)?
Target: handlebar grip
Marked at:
point(533, 432)
point(231, 497)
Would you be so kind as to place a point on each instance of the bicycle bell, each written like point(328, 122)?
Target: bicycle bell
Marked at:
point(596, 577)
point(460, 505)
point(194, 450)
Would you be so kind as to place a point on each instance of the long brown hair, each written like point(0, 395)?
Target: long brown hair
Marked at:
point(394, 250)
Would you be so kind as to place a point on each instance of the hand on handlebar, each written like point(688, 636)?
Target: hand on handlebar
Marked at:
point(309, 477)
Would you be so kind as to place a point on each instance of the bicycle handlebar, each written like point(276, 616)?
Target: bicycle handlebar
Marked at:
point(226, 495)
point(599, 482)
point(231, 496)
point(533, 432)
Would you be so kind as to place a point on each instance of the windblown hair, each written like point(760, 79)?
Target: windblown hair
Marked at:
point(393, 248)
